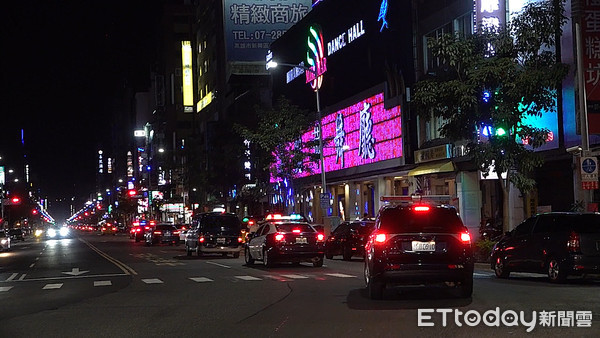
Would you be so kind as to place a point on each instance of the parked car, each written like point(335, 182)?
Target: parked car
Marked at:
point(558, 244)
point(214, 232)
point(418, 244)
point(285, 242)
point(4, 241)
point(349, 239)
point(16, 234)
point(162, 233)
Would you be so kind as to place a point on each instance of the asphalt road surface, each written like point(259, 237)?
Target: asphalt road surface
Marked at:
point(109, 286)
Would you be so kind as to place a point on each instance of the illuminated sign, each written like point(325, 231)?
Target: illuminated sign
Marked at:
point(382, 14)
point(315, 57)
point(360, 134)
point(206, 100)
point(139, 133)
point(186, 68)
point(490, 13)
point(591, 62)
point(354, 32)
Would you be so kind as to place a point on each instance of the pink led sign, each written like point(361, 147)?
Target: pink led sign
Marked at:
point(370, 133)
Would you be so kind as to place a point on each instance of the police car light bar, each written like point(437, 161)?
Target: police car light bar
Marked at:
point(440, 199)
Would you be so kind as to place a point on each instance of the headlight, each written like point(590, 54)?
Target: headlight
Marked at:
point(64, 231)
point(38, 233)
point(51, 233)
point(3, 241)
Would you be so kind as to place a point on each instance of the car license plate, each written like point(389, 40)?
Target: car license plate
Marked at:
point(423, 246)
point(167, 233)
point(221, 240)
point(301, 240)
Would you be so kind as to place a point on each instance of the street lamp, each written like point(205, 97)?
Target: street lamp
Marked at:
point(273, 64)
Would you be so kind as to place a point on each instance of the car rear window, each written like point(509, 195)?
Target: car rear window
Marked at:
point(218, 223)
point(587, 223)
point(289, 227)
point(406, 220)
point(363, 228)
point(165, 227)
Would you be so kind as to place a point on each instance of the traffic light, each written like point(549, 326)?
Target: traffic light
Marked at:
point(131, 193)
point(34, 212)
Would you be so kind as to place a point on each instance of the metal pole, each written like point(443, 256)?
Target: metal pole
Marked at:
point(321, 157)
point(583, 120)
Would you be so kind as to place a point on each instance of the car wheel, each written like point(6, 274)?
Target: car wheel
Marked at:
point(500, 268)
point(347, 253)
point(266, 259)
point(556, 272)
point(247, 257)
point(236, 254)
point(465, 289)
point(374, 288)
point(328, 255)
point(319, 263)
point(188, 250)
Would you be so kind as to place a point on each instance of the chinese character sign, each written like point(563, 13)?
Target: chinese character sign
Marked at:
point(590, 31)
point(490, 13)
point(251, 25)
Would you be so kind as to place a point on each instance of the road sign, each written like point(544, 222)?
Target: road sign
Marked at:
point(324, 197)
point(589, 173)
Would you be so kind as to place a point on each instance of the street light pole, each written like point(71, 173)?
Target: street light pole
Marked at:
point(273, 64)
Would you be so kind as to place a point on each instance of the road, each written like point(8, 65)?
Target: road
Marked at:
point(109, 286)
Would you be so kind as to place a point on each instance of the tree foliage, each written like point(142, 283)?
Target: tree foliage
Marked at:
point(278, 137)
point(517, 66)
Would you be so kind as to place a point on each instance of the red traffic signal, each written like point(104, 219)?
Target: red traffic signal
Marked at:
point(34, 212)
point(131, 193)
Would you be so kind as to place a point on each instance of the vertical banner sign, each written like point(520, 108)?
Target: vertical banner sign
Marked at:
point(188, 84)
point(490, 13)
point(589, 173)
point(590, 31)
point(251, 25)
point(2, 177)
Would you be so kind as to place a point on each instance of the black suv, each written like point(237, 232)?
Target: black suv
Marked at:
point(214, 232)
point(557, 243)
point(349, 239)
point(418, 244)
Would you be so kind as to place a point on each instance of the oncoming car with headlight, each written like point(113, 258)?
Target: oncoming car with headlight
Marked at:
point(4, 241)
point(57, 232)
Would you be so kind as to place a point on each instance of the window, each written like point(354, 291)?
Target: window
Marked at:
point(265, 230)
point(524, 229)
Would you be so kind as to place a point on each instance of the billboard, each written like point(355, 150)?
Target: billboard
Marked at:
point(590, 31)
point(251, 25)
point(187, 73)
point(360, 134)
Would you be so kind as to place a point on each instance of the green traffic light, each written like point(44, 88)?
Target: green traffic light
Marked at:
point(500, 131)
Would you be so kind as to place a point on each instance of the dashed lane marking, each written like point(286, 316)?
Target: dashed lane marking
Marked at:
point(13, 276)
point(52, 286)
point(22, 276)
point(5, 288)
point(247, 278)
point(340, 275)
point(277, 278)
point(102, 283)
point(32, 265)
point(295, 276)
point(217, 264)
point(201, 279)
point(152, 281)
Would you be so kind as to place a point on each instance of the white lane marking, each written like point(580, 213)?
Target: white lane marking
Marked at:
point(341, 275)
point(295, 276)
point(32, 265)
point(217, 264)
point(201, 279)
point(102, 283)
point(247, 278)
point(277, 278)
point(152, 281)
point(37, 258)
point(5, 288)
point(52, 286)
point(22, 276)
point(484, 275)
point(13, 276)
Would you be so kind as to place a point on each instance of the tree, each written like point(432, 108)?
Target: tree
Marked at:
point(277, 136)
point(491, 81)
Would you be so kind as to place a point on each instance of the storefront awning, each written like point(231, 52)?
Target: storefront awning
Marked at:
point(432, 168)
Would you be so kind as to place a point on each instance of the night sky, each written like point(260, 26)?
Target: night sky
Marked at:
point(63, 61)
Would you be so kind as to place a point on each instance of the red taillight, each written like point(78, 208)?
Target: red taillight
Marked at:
point(103, 229)
point(296, 231)
point(380, 238)
point(279, 237)
point(201, 239)
point(157, 233)
point(465, 238)
point(114, 229)
point(573, 242)
point(183, 228)
point(250, 222)
point(320, 237)
point(421, 208)
point(240, 239)
point(147, 228)
point(175, 232)
point(138, 230)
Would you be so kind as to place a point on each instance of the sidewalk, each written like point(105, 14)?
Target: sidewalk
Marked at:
point(482, 266)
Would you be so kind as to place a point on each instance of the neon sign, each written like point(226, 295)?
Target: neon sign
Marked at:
point(354, 32)
point(490, 13)
point(382, 14)
point(315, 57)
point(360, 134)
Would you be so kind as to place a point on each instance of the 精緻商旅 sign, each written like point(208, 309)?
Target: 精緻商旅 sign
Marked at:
point(251, 25)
